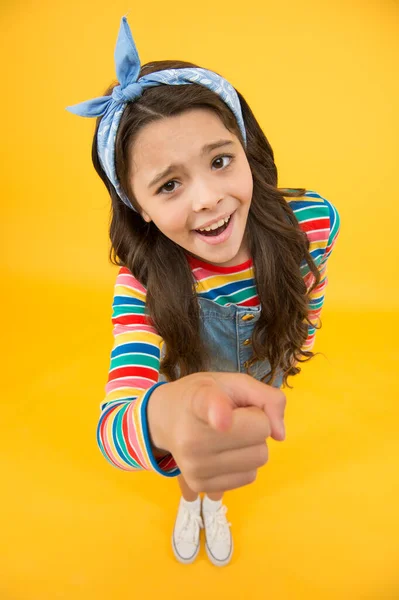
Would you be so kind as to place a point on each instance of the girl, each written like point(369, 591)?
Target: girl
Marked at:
point(220, 285)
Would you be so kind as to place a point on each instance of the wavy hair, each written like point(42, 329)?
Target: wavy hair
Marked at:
point(275, 240)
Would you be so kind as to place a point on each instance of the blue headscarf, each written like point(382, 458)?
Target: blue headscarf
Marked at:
point(127, 63)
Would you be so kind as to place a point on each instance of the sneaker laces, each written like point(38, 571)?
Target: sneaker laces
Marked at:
point(191, 524)
point(217, 525)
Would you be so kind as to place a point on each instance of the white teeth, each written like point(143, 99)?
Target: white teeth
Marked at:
point(216, 225)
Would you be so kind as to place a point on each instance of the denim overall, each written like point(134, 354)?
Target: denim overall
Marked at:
point(226, 332)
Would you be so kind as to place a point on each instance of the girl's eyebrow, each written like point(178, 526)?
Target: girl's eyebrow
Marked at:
point(207, 148)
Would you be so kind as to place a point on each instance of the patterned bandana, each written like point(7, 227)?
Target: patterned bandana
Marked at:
point(130, 88)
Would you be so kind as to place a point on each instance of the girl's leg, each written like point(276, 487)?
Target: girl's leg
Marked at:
point(186, 491)
point(215, 495)
point(191, 496)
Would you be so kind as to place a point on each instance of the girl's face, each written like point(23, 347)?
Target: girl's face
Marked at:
point(189, 172)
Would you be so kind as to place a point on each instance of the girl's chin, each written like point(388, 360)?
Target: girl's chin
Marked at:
point(220, 258)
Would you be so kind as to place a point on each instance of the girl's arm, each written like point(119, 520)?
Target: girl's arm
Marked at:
point(122, 431)
point(317, 296)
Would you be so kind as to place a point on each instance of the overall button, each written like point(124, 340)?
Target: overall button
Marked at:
point(247, 342)
point(247, 317)
point(246, 364)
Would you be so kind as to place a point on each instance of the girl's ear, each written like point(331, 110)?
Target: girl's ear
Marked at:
point(146, 217)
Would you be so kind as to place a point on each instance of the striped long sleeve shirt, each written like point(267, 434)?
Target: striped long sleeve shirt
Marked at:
point(122, 431)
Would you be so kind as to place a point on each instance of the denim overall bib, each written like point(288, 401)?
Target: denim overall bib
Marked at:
point(226, 332)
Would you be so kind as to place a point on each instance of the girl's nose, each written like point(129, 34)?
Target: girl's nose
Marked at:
point(205, 196)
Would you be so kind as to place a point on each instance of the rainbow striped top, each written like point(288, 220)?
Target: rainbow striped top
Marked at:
point(122, 431)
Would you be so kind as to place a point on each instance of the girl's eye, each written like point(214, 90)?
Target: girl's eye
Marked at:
point(169, 186)
point(165, 188)
point(219, 160)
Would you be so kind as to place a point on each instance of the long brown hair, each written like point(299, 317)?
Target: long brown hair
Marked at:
point(275, 240)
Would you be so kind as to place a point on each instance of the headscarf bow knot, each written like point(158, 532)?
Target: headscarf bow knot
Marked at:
point(127, 94)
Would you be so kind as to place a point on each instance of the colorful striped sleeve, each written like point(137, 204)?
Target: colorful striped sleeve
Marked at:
point(122, 432)
point(320, 219)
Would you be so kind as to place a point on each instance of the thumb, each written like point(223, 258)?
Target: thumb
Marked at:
point(211, 405)
point(244, 391)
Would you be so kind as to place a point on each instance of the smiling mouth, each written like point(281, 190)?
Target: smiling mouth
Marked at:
point(214, 232)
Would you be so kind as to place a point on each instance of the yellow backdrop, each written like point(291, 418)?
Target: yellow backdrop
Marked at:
point(321, 521)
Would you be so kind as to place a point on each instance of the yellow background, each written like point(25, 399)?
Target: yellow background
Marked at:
point(321, 521)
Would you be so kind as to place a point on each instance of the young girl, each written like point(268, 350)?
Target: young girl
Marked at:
point(221, 282)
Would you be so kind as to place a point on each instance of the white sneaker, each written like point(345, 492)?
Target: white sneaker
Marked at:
point(219, 541)
point(186, 533)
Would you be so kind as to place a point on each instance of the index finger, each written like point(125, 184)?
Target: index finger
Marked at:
point(245, 391)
